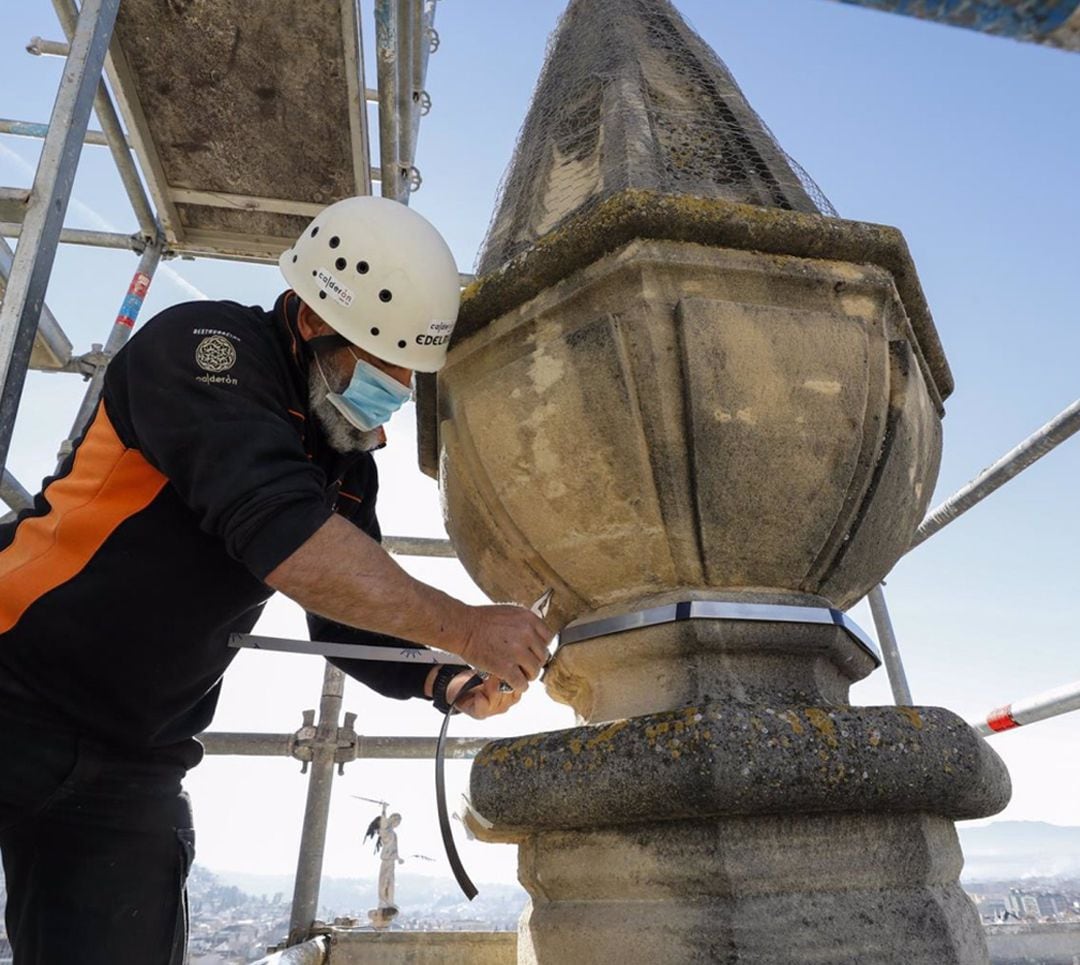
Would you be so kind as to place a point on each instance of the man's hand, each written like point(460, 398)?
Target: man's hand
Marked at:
point(345, 576)
point(483, 701)
point(509, 642)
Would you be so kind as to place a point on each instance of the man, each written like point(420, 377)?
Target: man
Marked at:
point(230, 456)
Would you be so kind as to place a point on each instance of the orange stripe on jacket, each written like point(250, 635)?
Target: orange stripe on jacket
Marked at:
point(107, 484)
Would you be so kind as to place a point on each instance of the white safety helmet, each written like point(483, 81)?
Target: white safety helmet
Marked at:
point(380, 275)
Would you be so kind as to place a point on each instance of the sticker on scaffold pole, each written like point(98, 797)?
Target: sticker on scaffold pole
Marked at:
point(133, 301)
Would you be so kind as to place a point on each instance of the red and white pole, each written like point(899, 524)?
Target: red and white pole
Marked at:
point(1050, 703)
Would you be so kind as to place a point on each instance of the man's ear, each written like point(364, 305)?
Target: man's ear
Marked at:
point(309, 324)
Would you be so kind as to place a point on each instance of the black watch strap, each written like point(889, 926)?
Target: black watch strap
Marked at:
point(443, 677)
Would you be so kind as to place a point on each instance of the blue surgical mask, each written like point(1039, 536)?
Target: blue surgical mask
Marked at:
point(370, 398)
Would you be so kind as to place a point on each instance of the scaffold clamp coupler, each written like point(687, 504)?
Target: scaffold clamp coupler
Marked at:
point(88, 363)
point(301, 746)
point(348, 744)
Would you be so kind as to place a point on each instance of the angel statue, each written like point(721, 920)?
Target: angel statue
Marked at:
point(386, 847)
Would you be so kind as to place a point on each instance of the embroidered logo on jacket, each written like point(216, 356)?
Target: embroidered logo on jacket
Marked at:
point(215, 354)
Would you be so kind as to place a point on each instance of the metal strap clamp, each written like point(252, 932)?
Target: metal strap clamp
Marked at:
point(717, 610)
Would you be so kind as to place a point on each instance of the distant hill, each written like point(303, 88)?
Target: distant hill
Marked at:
point(1019, 849)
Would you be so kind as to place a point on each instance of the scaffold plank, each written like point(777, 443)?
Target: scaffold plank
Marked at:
point(229, 98)
point(13, 202)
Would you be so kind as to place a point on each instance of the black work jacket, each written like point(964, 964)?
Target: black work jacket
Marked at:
point(199, 473)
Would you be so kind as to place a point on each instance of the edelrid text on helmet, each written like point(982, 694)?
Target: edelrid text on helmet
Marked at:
point(379, 274)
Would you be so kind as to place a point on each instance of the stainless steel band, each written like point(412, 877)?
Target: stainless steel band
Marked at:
point(579, 632)
point(717, 610)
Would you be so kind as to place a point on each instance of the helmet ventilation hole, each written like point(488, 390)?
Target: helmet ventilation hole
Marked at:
point(340, 264)
point(374, 331)
point(402, 343)
point(294, 259)
point(385, 295)
point(335, 241)
point(314, 273)
point(322, 294)
point(314, 231)
point(362, 267)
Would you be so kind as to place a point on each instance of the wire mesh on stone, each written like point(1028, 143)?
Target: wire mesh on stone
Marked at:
point(631, 97)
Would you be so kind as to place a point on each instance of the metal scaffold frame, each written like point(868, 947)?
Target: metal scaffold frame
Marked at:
point(30, 337)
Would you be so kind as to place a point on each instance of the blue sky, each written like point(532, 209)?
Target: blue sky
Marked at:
point(965, 142)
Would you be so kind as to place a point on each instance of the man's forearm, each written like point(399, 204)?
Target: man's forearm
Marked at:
point(342, 574)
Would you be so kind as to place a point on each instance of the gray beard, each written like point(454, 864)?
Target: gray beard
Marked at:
point(339, 433)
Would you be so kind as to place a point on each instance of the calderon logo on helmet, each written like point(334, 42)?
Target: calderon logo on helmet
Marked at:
point(379, 274)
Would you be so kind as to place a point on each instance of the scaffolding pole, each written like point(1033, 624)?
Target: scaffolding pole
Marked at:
point(44, 220)
point(386, 62)
point(352, 36)
point(317, 811)
point(1014, 462)
point(38, 131)
point(40, 47)
point(68, 13)
point(51, 344)
point(408, 26)
point(1050, 703)
point(424, 43)
point(14, 494)
point(239, 744)
point(890, 651)
point(119, 334)
point(82, 236)
point(1031, 450)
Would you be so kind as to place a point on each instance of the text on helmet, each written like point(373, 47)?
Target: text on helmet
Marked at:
point(330, 284)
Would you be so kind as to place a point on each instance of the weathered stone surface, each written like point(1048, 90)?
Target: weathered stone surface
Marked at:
point(910, 457)
point(838, 889)
point(745, 856)
point(732, 759)
point(637, 214)
point(677, 416)
point(936, 925)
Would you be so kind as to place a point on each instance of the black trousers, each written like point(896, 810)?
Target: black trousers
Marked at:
point(96, 845)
